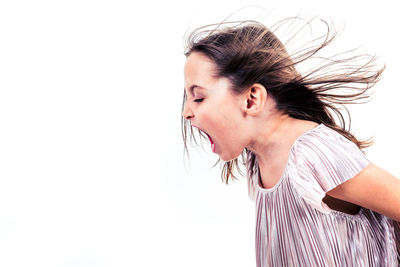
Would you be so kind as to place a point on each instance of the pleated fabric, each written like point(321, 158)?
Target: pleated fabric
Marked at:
point(294, 227)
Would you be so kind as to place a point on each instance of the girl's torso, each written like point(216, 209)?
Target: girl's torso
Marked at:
point(294, 227)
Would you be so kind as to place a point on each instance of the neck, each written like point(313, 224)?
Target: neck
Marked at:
point(274, 138)
point(270, 135)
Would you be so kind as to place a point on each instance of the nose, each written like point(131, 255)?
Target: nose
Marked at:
point(187, 113)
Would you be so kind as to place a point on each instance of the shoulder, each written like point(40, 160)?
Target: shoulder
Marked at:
point(322, 159)
point(321, 135)
point(324, 143)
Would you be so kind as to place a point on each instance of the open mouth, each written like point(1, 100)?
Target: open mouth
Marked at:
point(209, 138)
point(212, 142)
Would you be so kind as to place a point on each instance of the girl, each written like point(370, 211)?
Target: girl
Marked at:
point(319, 201)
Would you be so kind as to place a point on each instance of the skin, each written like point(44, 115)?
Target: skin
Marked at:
point(251, 120)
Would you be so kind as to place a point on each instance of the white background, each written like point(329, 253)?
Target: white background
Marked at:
point(91, 162)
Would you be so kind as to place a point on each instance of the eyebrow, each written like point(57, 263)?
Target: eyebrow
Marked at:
point(194, 86)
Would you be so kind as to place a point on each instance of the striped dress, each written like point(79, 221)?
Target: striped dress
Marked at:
point(294, 227)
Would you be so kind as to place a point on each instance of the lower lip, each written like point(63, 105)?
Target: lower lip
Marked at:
point(212, 144)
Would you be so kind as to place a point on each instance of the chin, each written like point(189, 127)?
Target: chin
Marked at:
point(227, 158)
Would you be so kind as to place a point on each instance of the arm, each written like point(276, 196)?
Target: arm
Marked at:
point(373, 188)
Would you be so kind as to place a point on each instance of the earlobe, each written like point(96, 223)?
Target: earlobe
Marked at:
point(255, 99)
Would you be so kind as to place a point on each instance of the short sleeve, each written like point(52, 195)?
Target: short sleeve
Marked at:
point(324, 159)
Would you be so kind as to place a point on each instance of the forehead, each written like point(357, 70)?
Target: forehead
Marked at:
point(199, 71)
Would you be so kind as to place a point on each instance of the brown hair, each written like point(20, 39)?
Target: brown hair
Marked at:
point(248, 52)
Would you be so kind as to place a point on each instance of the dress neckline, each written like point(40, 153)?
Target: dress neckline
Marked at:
point(273, 188)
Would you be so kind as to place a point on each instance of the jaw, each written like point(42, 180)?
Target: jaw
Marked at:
point(217, 149)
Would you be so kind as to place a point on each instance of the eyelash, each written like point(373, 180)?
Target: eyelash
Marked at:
point(198, 100)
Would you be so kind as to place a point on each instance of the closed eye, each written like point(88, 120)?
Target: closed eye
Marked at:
point(198, 100)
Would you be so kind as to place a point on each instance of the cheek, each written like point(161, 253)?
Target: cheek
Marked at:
point(222, 124)
point(210, 118)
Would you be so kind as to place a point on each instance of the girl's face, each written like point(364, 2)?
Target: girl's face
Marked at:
point(213, 108)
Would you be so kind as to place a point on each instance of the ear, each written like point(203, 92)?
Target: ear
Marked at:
point(255, 99)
